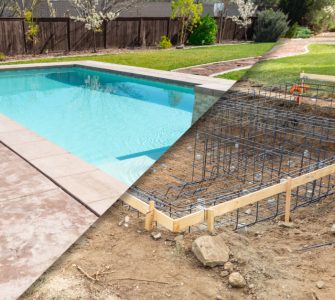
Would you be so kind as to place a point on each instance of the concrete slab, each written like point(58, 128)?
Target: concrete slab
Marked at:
point(38, 223)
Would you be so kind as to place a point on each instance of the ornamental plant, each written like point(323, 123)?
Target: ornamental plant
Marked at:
point(205, 32)
point(165, 42)
point(270, 26)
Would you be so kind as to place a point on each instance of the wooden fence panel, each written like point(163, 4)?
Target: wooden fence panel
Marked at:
point(173, 31)
point(82, 39)
point(153, 30)
point(63, 34)
point(12, 37)
point(122, 34)
point(229, 30)
point(52, 36)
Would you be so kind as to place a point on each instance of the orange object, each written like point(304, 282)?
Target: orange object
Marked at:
point(300, 88)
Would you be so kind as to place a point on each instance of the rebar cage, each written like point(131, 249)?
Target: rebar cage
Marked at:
point(247, 141)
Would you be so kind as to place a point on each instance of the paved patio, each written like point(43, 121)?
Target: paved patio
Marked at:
point(38, 223)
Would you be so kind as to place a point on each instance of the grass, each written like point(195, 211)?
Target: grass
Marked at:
point(320, 60)
point(170, 59)
point(234, 75)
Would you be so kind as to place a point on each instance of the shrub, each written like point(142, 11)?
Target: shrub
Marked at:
point(2, 56)
point(205, 32)
point(270, 26)
point(299, 32)
point(165, 42)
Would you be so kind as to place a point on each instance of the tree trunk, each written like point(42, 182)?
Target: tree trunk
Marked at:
point(246, 33)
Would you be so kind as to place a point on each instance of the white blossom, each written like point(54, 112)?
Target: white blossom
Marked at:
point(247, 10)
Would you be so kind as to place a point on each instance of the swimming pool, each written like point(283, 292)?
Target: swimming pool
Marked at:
point(121, 124)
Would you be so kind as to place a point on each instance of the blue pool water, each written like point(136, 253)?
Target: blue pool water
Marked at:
point(120, 124)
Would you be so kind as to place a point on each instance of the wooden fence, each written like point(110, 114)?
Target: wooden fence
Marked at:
point(64, 34)
point(208, 215)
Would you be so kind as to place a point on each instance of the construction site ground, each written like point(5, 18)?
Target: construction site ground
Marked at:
point(112, 261)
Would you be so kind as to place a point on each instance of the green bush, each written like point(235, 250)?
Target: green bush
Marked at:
point(2, 56)
point(298, 32)
point(165, 42)
point(205, 32)
point(270, 26)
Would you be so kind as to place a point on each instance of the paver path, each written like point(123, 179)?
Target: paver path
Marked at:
point(293, 47)
point(218, 67)
point(38, 223)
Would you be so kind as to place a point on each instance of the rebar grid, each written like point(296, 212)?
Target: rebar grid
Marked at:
point(247, 141)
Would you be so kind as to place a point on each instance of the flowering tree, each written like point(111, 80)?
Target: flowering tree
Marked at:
point(189, 14)
point(247, 10)
point(93, 12)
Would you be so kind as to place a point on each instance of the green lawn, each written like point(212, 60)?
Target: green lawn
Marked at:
point(234, 75)
point(320, 60)
point(172, 59)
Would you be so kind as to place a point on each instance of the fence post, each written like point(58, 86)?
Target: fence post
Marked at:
point(149, 217)
point(105, 33)
point(24, 36)
point(168, 28)
point(209, 217)
point(69, 34)
point(288, 197)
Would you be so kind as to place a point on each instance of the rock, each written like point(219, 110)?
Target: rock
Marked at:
point(286, 224)
point(236, 280)
point(228, 266)
point(332, 230)
point(211, 250)
point(156, 235)
point(218, 297)
point(126, 219)
point(320, 284)
point(224, 273)
point(251, 286)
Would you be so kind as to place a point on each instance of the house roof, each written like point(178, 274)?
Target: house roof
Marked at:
point(154, 9)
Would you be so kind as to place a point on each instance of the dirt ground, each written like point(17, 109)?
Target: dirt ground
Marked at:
point(112, 261)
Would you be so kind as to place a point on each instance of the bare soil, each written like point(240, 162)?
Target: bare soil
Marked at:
point(112, 261)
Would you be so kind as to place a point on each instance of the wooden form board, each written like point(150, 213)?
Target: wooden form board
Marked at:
point(208, 215)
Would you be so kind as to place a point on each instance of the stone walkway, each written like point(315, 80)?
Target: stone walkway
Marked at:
point(219, 67)
point(38, 223)
point(297, 46)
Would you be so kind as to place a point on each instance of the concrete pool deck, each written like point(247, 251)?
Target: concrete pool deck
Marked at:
point(48, 196)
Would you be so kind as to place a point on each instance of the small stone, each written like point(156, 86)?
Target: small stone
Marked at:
point(224, 273)
point(156, 235)
point(332, 230)
point(248, 212)
point(320, 284)
point(251, 286)
point(121, 223)
point(228, 266)
point(286, 224)
point(218, 297)
point(236, 280)
point(126, 219)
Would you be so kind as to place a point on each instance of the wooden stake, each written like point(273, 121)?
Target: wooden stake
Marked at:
point(149, 217)
point(210, 219)
point(288, 199)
